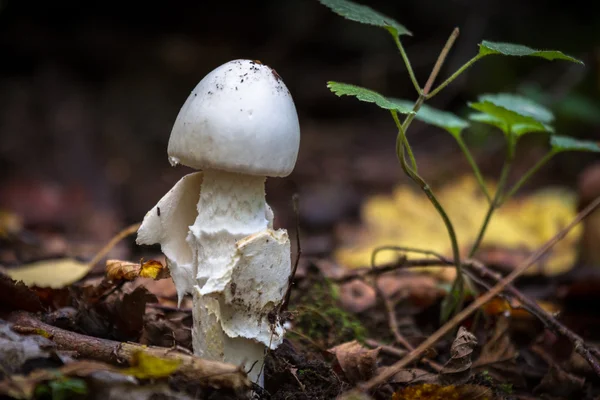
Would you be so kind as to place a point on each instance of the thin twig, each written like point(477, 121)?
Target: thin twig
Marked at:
point(390, 306)
point(411, 73)
point(475, 270)
point(404, 249)
point(458, 318)
point(455, 75)
point(595, 351)
point(205, 372)
point(363, 273)
point(440, 61)
point(393, 323)
point(131, 229)
point(386, 348)
point(547, 319)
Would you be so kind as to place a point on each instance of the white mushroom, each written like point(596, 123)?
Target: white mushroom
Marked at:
point(239, 126)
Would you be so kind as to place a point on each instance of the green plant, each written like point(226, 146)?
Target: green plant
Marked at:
point(513, 114)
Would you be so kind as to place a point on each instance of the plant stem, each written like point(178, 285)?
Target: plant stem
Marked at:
point(455, 75)
point(528, 175)
point(473, 164)
point(413, 78)
point(404, 143)
point(497, 196)
point(409, 118)
point(429, 193)
point(434, 73)
point(440, 61)
point(455, 296)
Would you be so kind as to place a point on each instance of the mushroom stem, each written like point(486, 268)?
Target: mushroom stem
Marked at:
point(231, 207)
point(231, 201)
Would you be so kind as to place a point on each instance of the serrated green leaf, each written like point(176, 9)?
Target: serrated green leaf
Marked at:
point(442, 119)
point(505, 117)
point(566, 143)
point(365, 15)
point(518, 50)
point(517, 129)
point(367, 95)
point(521, 105)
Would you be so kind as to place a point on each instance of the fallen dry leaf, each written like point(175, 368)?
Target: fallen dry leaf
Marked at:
point(412, 376)
point(498, 356)
point(428, 391)
point(164, 289)
point(406, 218)
point(500, 306)
point(105, 312)
point(56, 273)
point(127, 313)
point(560, 383)
point(458, 369)
point(17, 296)
point(167, 332)
point(117, 270)
point(53, 299)
point(357, 362)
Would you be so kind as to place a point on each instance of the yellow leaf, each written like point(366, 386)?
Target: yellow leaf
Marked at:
point(117, 270)
point(55, 273)
point(406, 218)
point(153, 269)
point(146, 366)
point(429, 391)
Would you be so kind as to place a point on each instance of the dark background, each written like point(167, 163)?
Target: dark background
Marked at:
point(89, 92)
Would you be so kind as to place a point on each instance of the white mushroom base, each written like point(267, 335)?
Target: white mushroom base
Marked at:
point(226, 254)
point(238, 324)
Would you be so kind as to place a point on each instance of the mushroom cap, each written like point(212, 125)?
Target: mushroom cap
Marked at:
point(239, 118)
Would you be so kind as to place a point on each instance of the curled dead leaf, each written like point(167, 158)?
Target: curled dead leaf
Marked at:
point(119, 270)
point(498, 356)
point(357, 362)
point(458, 369)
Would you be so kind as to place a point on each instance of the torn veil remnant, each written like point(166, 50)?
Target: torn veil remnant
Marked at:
point(239, 125)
